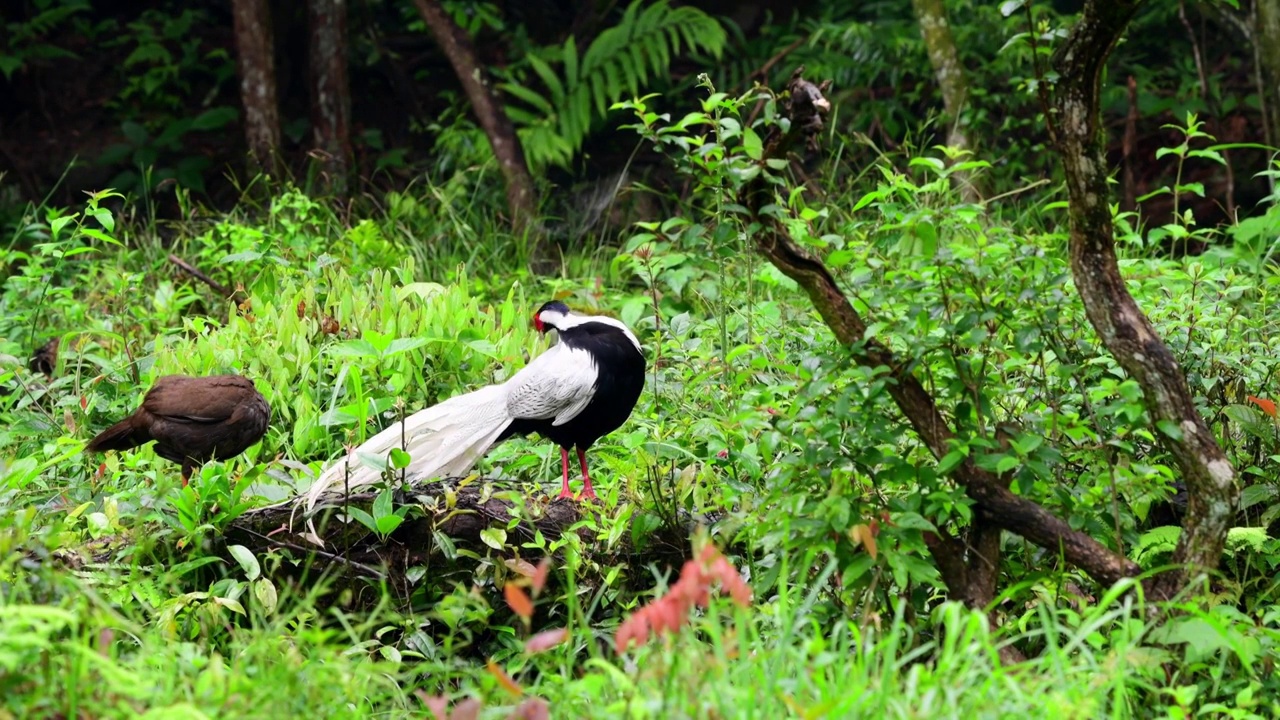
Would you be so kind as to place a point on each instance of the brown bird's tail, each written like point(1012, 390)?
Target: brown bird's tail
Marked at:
point(124, 435)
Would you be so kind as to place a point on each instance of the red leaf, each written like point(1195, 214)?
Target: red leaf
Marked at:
point(518, 600)
point(84, 403)
point(634, 628)
point(533, 708)
point(540, 575)
point(546, 640)
point(468, 709)
point(504, 680)
point(667, 613)
point(437, 704)
point(105, 636)
point(1268, 406)
point(733, 583)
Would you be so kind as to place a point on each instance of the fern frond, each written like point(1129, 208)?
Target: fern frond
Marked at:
point(549, 77)
point(621, 59)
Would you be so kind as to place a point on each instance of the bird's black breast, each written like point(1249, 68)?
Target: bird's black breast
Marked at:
point(620, 370)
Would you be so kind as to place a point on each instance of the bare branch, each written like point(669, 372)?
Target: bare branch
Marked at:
point(194, 272)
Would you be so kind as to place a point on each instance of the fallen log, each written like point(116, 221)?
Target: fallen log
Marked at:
point(461, 522)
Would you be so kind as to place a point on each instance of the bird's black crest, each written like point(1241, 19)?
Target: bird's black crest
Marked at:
point(553, 305)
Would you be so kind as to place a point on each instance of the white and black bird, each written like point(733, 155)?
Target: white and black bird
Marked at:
point(582, 388)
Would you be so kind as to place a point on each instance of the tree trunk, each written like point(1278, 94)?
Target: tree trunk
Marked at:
point(952, 80)
point(488, 109)
point(1266, 42)
point(1120, 323)
point(330, 91)
point(255, 61)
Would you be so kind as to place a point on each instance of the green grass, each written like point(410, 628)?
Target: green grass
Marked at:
point(72, 651)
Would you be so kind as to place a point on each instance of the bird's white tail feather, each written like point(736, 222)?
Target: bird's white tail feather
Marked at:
point(443, 440)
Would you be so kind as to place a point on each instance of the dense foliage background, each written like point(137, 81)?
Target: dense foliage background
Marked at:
point(145, 235)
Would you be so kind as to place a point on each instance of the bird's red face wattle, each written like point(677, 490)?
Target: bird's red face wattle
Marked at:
point(538, 324)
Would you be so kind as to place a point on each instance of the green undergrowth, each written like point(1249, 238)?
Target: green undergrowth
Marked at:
point(66, 649)
point(119, 598)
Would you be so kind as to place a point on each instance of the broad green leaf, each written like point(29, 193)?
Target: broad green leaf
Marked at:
point(248, 562)
point(232, 605)
point(387, 524)
point(494, 537)
point(400, 459)
point(363, 518)
point(951, 460)
point(265, 591)
point(751, 144)
point(382, 505)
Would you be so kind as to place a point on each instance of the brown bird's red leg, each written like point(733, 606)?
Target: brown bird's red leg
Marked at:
point(564, 460)
point(587, 492)
point(186, 473)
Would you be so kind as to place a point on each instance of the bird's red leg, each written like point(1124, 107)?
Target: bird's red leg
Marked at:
point(564, 460)
point(587, 492)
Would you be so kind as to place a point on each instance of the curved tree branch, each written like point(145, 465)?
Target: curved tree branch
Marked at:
point(997, 504)
point(1120, 323)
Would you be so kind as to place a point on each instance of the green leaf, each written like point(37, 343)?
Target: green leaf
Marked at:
point(353, 349)
point(241, 257)
point(99, 235)
point(494, 537)
point(751, 144)
point(951, 460)
point(400, 459)
point(378, 341)
point(928, 235)
point(56, 224)
point(265, 591)
point(1170, 429)
point(400, 345)
point(913, 521)
point(422, 290)
point(134, 132)
point(866, 200)
point(840, 258)
point(549, 77)
point(363, 518)
point(248, 562)
point(214, 118)
point(1255, 494)
point(382, 506)
point(538, 102)
point(1027, 443)
point(387, 524)
point(1009, 7)
point(232, 605)
point(1007, 463)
